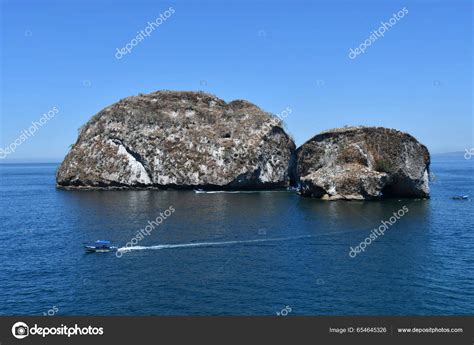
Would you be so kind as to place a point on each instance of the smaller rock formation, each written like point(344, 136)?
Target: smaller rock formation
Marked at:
point(359, 163)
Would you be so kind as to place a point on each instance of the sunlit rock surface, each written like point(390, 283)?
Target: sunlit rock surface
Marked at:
point(180, 140)
point(359, 163)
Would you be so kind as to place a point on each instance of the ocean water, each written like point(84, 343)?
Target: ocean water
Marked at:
point(233, 253)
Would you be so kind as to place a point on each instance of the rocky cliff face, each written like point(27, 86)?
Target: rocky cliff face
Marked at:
point(180, 140)
point(359, 163)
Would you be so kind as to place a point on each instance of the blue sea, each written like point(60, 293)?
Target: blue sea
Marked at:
point(263, 253)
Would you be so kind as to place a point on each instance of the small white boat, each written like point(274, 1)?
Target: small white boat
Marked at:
point(461, 197)
point(100, 246)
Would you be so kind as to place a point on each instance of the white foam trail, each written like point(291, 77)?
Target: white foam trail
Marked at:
point(237, 192)
point(208, 244)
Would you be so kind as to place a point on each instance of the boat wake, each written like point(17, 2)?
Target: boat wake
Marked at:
point(208, 244)
point(199, 191)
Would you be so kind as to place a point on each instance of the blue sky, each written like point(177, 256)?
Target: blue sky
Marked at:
point(278, 54)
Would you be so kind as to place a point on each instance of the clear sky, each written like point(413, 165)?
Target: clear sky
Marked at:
point(277, 54)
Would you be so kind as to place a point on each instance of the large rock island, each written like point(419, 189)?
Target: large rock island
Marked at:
point(359, 163)
point(180, 140)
